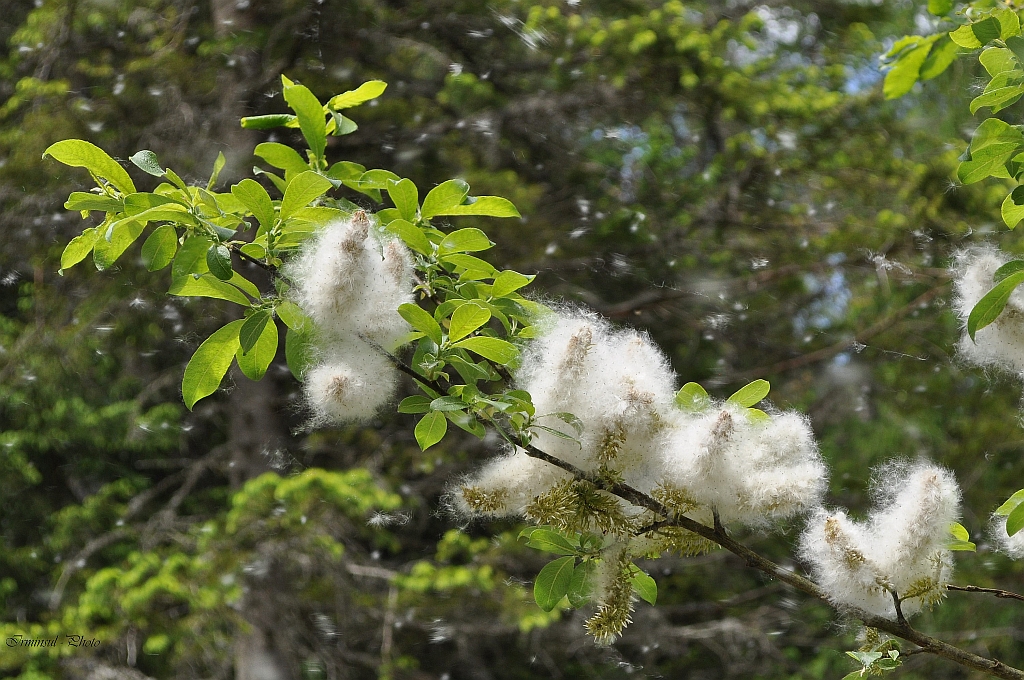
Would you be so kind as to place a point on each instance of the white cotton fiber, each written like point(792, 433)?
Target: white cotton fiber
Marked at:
point(900, 547)
point(349, 281)
point(750, 471)
point(617, 382)
point(1001, 343)
point(350, 382)
point(506, 485)
point(1011, 545)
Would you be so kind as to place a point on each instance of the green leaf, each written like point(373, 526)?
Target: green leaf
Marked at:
point(121, 234)
point(444, 196)
point(942, 55)
point(254, 197)
point(552, 542)
point(208, 365)
point(470, 263)
point(78, 248)
point(993, 143)
point(756, 415)
point(191, 257)
point(81, 200)
point(552, 582)
point(291, 314)
point(485, 206)
point(417, 403)
point(364, 93)
point(252, 329)
point(281, 156)
point(509, 281)
point(991, 305)
point(1011, 210)
point(645, 586)
point(430, 430)
point(419, 319)
point(693, 397)
point(274, 120)
point(1011, 267)
point(208, 286)
point(79, 153)
point(986, 30)
point(997, 99)
point(940, 8)
point(218, 165)
point(147, 161)
point(405, 197)
point(570, 420)
point(582, 584)
point(964, 37)
point(961, 539)
point(464, 241)
point(1015, 520)
point(1016, 45)
point(1011, 503)
point(997, 60)
point(961, 546)
point(467, 319)
point(311, 117)
point(302, 190)
point(468, 422)
point(257, 360)
point(218, 259)
point(160, 247)
point(750, 394)
point(340, 125)
point(298, 350)
point(447, 404)
point(901, 77)
point(498, 351)
point(411, 235)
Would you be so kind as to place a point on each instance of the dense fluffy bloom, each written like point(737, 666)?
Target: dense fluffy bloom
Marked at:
point(351, 382)
point(622, 389)
point(901, 546)
point(350, 281)
point(1011, 545)
point(1001, 343)
point(749, 470)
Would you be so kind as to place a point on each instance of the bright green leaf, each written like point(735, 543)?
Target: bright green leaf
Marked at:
point(509, 281)
point(484, 206)
point(159, 249)
point(218, 260)
point(364, 93)
point(208, 365)
point(121, 234)
point(405, 197)
point(1011, 503)
point(582, 584)
point(274, 120)
point(750, 394)
point(552, 542)
point(417, 403)
point(430, 430)
point(693, 397)
point(552, 582)
point(207, 285)
point(252, 329)
point(281, 156)
point(494, 349)
point(645, 586)
point(444, 196)
point(81, 200)
point(311, 117)
point(992, 303)
point(1015, 520)
point(412, 235)
point(291, 314)
point(257, 360)
point(298, 350)
point(79, 153)
point(302, 190)
point(464, 241)
point(419, 319)
point(467, 319)
point(147, 161)
point(79, 248)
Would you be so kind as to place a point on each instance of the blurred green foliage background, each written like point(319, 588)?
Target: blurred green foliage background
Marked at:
point(724, 175)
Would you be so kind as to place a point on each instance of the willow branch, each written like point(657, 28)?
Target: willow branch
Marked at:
point(991, 591)
point(900, 629)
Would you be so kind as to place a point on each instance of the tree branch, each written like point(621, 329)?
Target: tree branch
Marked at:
point(900, 629)
point(992, 591)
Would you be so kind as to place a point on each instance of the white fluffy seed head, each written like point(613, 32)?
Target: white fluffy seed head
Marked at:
point(1013, 546)
point(505, 486)
point(900, 547)
point(351, 382)
point(617, 382)
point(750, 471)
point(1001, 343)
point(350, 281)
